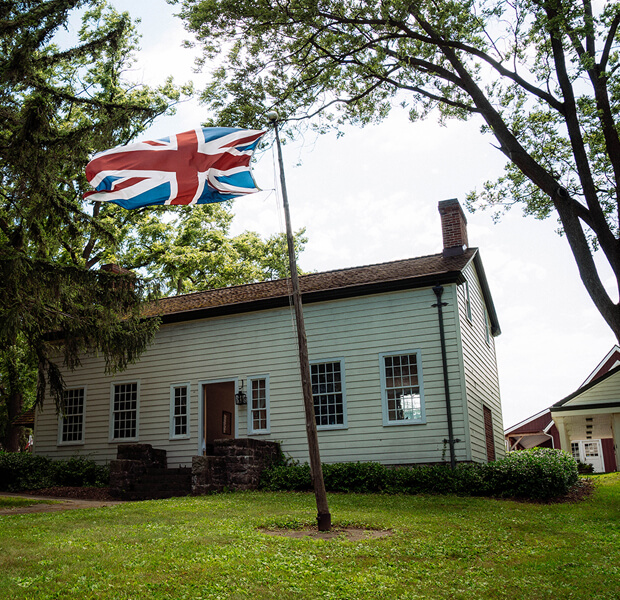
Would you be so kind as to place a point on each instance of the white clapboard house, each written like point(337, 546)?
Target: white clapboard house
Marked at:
point(379, 376)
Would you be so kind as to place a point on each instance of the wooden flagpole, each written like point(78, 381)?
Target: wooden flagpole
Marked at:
point(316, 471)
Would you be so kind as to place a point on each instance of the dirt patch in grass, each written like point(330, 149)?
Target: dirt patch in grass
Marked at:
point(352, 534)
point(582, 490)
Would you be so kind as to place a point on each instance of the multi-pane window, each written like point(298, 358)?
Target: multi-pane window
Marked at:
point(259, 404)
point(328, 393)
point(590, 450)
point(73, 416)
point(402, 388)
point(179, 411)
point(574, 448)
point(125, 411)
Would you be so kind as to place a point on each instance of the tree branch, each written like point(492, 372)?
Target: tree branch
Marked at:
point(605, 237)
point(442, 43)
point(611, 35)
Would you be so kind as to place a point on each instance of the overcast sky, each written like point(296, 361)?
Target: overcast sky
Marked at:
point(371, 196)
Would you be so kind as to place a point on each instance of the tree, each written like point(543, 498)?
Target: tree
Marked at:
point(541, 75)
point(185, 249)
point(58, 106)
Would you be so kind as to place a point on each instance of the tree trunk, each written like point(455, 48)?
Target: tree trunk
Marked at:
point(13, 432)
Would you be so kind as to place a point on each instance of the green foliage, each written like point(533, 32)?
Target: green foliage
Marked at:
point(585, 468)
point(188, 249)
point(79, 471)
point(24, 471)
point(58, 105)
point(287, 478)
point(537, 474)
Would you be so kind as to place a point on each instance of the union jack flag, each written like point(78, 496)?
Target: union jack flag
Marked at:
point(209, 164)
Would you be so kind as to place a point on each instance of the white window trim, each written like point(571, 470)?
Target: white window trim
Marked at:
point(111, 437)
point(384, 401)
point(61, 418)
point(251, 430)
point(343, 383)
point(185, 436)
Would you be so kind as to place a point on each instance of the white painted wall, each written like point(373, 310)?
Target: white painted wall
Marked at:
point(262, 343)
point(480, 369)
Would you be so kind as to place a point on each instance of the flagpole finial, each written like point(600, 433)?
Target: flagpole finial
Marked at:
point(273, 116)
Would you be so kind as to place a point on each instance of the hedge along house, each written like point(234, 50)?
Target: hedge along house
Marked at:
point(382, 385)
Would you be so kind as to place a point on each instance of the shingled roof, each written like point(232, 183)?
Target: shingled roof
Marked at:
point(315, 287)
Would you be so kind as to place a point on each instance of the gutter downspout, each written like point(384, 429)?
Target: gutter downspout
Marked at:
point(438, 289)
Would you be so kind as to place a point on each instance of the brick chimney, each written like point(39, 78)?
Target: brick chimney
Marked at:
point(118, 270)
point(453, 227)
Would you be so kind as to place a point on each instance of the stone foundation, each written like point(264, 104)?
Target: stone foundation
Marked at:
point(140, 471)
point(234, 465)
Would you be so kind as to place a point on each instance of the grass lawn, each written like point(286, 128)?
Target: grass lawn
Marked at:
point(11, 502)
point(211, 547)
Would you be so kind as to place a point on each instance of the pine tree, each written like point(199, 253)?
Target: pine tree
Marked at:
point(58, 106)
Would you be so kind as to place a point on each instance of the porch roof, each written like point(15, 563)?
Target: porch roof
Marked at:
point(600, 394)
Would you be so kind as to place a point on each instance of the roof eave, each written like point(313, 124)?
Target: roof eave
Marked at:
point(382, 287)
point(486, 293)
point(558, 405)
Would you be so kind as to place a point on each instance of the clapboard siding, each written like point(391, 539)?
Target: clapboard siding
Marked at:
point(480, 368)
point(236, 347)
point(606, 390)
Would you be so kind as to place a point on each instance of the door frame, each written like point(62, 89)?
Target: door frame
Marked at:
point(582, 456)
point(201, 405)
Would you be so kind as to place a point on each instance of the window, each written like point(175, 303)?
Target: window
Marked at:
point(124, 419)
point(467, 300)
point(258, 388)
point(72, 421)
point(327, 380)
point(487, 328)
point(258, 409)
point(179, 411)
point(401, 388)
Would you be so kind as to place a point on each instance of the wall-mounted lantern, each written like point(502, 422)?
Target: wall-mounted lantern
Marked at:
point(241, 397)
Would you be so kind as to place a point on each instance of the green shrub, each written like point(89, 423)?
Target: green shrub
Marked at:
point(25, 471)
point(79, 471)
point(354, 477)
point(538, 474)
point(584, 468)
point(287, 478)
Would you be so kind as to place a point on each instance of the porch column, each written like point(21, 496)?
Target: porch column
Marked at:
point(564, 439)
point(615, 428)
